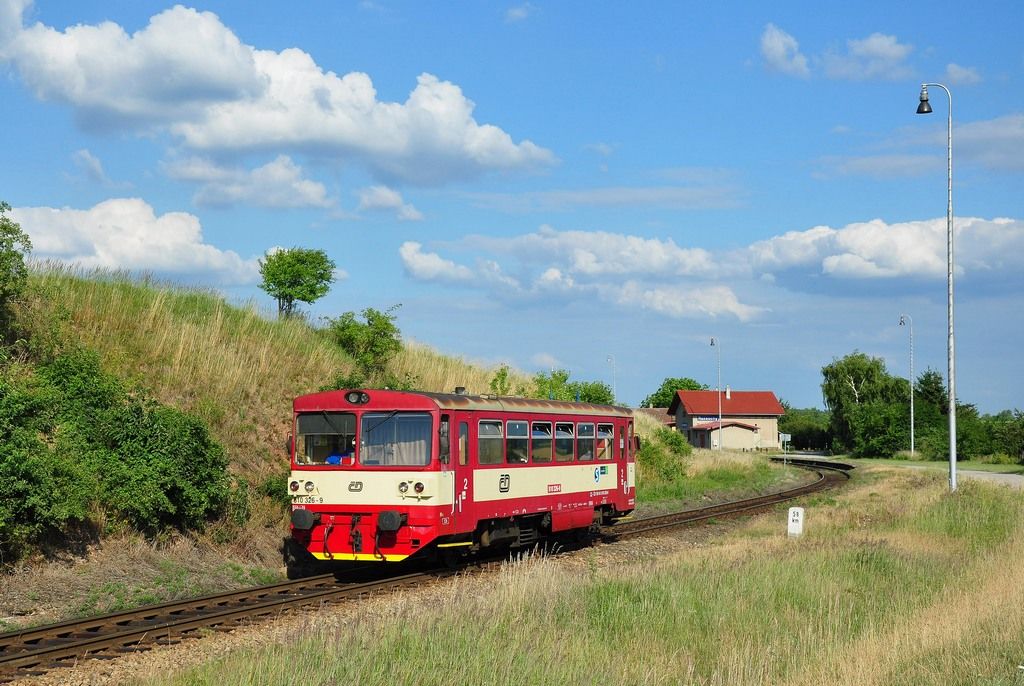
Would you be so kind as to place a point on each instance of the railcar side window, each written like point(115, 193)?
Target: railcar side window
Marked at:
point(540, 439)
point(563, 442)
point(463, 443)
point(325, 438)
point(389, 439)
point(517, 437)
point(488, 443)
point(585, 441)
point(605, 436)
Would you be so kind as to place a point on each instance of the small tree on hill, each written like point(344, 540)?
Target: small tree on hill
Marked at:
point(296, 274)
point(372, 344)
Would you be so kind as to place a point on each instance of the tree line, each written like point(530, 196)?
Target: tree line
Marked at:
point(868, 415)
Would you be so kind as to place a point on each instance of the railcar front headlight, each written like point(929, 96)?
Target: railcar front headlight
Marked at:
point(403, 487)
point(419, 487)
point(309, 487)
point(293, 486)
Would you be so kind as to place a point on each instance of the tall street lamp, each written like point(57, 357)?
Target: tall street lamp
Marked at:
point(611, 359)
point(925, 108)
point(717, 345)
point(904, 320)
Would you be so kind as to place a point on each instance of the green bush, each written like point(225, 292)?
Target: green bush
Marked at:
point(674, 441)
point(74, 444)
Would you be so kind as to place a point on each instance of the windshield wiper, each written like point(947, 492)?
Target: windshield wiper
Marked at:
point(388, 417)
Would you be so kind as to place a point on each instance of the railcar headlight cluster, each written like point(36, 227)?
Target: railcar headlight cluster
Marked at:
point(403, 487)
point(357, 397)
point(309, 487)
point(293, 486)
point(418, 487)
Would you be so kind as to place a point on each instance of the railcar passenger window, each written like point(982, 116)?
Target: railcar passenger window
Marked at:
point(563, 442)
point(585, 441)
point(540, 439)
point(488, 442)
point(517, 438)
point(605, 436)
point(463, 442)
point(391, 439)
point(325, 438)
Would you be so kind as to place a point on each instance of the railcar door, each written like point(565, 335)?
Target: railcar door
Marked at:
point(463, 500)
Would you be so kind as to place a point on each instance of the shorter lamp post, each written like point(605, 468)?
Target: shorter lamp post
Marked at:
point(611, 359)
point(907, 320)
point(716, 344)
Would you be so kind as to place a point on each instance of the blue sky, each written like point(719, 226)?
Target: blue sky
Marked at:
point(550, 184)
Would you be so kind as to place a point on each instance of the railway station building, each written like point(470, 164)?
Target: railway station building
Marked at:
point(749, 419)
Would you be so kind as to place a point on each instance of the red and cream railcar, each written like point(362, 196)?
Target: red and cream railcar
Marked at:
point(380, 475)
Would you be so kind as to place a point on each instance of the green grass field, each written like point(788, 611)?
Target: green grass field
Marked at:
point(894, 582)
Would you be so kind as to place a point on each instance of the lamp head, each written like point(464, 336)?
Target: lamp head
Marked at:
point(902, 320)
point(924, 107)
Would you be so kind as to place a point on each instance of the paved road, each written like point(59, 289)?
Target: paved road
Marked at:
point(1011, 480)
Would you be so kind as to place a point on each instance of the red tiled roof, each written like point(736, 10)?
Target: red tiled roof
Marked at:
point(740, 403)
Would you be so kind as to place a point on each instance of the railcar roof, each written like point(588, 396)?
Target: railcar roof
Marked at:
point(459, 401)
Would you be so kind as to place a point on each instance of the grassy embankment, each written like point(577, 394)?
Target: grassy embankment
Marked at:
point(239, 369)
point(894, 582)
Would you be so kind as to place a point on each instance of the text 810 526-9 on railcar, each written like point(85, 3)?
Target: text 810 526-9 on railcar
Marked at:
point(382, 476)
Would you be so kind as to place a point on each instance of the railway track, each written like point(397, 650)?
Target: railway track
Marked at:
point(829, 474)
point(36, 650)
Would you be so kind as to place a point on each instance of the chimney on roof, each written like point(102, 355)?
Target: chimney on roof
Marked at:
point(728, 392)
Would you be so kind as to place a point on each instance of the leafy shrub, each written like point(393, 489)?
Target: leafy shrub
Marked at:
point(75, 444)
point(674, 441)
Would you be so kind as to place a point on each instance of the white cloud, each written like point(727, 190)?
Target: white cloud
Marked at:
point(188, 74)
point(545, 361)
point(781, 52)
point(125, 233)
point(92, 169)
point(431, 266)
point(656, 275)
point(183, 61)
point(705, 301)
point(880, 166)
point(519, 12)
point(994, 143)
point(879, 250)
point(578, 265)
point(962, 76)
point(675, 197)
point(878, 56)
point(277, 184)
point(377, 198)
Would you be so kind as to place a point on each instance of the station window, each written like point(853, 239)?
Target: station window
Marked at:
point(605, 438)
point(489, 442)
point(517, 442)
point(540, 439)
point(585, 441)
point(563, 442)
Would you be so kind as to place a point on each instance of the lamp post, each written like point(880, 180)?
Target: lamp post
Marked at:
point(904, 319)
point(925, 108)
point(611, 359)
point(717, 345)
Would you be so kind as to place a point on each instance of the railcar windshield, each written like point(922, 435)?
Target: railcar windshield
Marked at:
point(326, 438)
point(389, 439)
